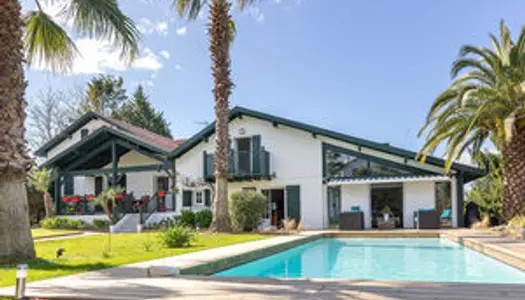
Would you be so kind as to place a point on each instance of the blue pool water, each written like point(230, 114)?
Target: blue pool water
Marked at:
point(382, 259)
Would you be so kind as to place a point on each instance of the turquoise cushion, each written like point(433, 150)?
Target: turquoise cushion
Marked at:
point(355, 208)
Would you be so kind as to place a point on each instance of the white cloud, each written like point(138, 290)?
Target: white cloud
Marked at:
point(181, 31)
point(165, 54)
point(100, 56)
point(147, 27)
point(178, 67)
point(149, 61)
point(256, 13)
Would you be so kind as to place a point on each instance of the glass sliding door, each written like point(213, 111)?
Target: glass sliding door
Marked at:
point(334, 205)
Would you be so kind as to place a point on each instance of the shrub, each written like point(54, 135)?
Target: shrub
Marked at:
point(515, 226)
point(62, 223)
point(186, 219)
point(247, 209)
point(289, 225)
point(100, 224)
point(203, 218)
point(176, 237)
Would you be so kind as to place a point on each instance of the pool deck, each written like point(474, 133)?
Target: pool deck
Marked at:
point(133, 282)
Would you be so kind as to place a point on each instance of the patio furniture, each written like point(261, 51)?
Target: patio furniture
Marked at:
point(352, 220)
point(383, 224)
point(427, 218)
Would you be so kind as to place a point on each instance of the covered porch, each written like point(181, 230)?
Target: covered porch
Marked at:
point(109, 158)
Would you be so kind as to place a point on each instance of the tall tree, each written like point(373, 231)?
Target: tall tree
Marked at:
point(487, 101)
point(41, 180)
point(140, 112)
point(41, 40)
point(221, 32)
point(105, 95)
point(49, 114)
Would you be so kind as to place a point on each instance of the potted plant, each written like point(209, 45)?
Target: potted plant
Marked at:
point(386, 213)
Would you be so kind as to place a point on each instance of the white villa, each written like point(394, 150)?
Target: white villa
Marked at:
point(307, 172)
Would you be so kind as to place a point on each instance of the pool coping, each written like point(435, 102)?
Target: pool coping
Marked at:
point(499, 253)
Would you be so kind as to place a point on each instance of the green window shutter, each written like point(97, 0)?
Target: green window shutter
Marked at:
point(293, 201)
point(186, 198)
point(207, 198)
point(204, 165)
point(69, 185)
point(256, 157)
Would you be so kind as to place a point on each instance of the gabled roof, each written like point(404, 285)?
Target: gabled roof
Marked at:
point(469, 171)
point(163, 143)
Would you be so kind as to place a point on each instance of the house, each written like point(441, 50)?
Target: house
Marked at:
point(306, 172)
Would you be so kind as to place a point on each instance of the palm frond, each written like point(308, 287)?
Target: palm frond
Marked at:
point(46, 43)
point(103, 19)
point(189, 8)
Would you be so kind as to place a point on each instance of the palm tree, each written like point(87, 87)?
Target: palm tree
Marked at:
point(36, 38)
point(221, 31)
point(485, 102)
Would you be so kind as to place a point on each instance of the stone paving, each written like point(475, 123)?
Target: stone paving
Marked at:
point(132, 281)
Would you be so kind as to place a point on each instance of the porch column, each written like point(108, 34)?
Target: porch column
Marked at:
point(460, 181)
point(114, 162)
point(454, 200)
point(173, 186)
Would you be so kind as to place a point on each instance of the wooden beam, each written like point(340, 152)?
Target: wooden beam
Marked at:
point(89, 156)
point(144, 168)
point(114, 162)
point(136, 148)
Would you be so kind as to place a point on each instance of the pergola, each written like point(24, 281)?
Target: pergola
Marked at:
point(104, 147)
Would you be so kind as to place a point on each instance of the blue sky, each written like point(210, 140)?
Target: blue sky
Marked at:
point(366, 68)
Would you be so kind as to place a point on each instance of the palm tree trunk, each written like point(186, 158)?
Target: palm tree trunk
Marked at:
point(48, 204)
point(15, 233)
point(513, 159)
point(220, 38)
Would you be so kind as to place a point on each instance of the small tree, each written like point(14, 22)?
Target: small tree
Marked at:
point(107, 199)
point(40, 180)
point(247, 209)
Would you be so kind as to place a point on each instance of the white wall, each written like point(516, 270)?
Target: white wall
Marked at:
point(75, 137)
point(417, 195)
point(357, 195)
point(295, 157)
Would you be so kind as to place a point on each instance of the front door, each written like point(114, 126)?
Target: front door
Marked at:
point(334, 205)
point(276, 203)
point(99, 180)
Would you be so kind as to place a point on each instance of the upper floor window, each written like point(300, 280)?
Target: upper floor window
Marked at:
point(340, 164)
point(84, 132)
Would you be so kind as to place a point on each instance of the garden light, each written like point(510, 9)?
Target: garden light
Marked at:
point(21, 276)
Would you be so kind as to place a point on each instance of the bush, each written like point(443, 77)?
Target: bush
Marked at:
point(247, 209)
point(203, 218)
point(515, 226)
point(186, 219)
point(100, 224)
point(176, 237)
point(62, 223)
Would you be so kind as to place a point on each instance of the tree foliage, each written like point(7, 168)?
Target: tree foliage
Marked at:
point(105, 95)
point(486, 99)
point(139, 112)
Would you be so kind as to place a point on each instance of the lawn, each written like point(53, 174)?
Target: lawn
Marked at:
point(41, 232)
point(89, 253)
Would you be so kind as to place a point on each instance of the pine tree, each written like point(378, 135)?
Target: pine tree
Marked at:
point(140, 112)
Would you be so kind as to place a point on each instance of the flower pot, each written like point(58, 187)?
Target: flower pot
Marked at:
point(139, 228)
point(386, 217)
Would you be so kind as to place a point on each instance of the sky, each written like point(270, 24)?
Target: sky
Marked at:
point(366, 68)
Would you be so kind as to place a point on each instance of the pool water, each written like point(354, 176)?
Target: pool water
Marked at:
point(426, 259)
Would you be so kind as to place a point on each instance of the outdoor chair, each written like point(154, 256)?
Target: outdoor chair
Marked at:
point(427, 218)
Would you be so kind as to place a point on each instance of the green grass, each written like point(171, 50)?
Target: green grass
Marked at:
point(41, 232)
point(88, 253)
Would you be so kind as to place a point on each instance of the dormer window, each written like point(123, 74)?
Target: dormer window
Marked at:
point(83, 133)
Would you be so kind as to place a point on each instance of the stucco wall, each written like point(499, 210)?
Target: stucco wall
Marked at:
point(417, 195)
point(295, 157)
point(75, 137)
point(357, 195)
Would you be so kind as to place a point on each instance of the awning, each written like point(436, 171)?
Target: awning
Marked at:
point(386, 179)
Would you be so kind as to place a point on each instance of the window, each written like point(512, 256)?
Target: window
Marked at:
point(244, 155)
point(83, 133)
point(198, 197)
point(443, 196)
point(340, 164)
point(249, 188)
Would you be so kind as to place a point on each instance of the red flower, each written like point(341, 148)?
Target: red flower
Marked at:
point(75, 198)
point(119, 196)
point(89, 197)
point(66, 199)
point(161, 194)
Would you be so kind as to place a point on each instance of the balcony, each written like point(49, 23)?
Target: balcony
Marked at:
point(243, 165)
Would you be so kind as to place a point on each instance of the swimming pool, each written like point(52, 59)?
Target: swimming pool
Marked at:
point(425, 259)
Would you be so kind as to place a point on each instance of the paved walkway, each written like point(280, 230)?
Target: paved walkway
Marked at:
point(66, 236)
point(132, 281)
